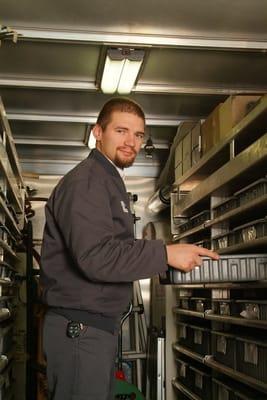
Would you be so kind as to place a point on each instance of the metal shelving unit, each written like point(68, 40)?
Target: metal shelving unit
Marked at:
point(255, 121)
point(221, 318)
point(12, 219)
point(233, 175)
point(254, 383)
point(227, 168)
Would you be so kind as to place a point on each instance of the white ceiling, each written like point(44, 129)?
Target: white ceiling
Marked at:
point(197, 53)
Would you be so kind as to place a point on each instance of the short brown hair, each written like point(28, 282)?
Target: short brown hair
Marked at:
point(122, 104)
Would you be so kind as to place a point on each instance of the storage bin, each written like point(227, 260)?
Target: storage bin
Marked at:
point(179, 277)
point(196, 275)
point(194, 221)
point(247, 268)
point(200, 304)
point(204, 243)
point(205, 271)
point(200, 339)
point(184, 227)
point(229, 268)
point(225, 308)
point(222, 391)
point(6, 339)
point(6, 271)
point(201, 383)
point(252, 309)
point(184, 373)
point(200, 218)
point(225, 206)
point(185, 335)
point(223, 240)
point(251, 231)
point(251, 358)
point(224, 348)
point(184, 303)
point(252, 191)
point(6, 379)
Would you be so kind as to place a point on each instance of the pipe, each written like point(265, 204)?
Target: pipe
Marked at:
point(159, 200)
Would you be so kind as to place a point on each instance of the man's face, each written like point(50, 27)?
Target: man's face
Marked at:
point(122, 138)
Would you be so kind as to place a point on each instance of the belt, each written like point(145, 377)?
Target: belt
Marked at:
point(99, 321)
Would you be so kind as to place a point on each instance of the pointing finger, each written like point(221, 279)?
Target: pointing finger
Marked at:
point(208, 253)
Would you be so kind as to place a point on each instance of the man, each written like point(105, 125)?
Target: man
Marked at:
point(90, 259)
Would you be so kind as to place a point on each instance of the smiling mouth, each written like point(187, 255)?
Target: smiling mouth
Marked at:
point(127, 153)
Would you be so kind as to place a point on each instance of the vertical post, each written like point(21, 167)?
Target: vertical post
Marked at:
point(31, 388)
point(171, 337)
point(160, 368)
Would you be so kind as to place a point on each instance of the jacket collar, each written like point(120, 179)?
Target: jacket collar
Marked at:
point(105, 162)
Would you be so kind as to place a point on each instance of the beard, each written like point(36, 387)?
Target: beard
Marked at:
point(124, 162)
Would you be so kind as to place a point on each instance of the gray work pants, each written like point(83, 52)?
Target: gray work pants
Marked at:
point(79, 368)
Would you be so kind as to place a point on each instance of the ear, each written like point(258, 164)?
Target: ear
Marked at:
point(97, 132)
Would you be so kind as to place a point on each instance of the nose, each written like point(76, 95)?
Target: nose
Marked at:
point(130, 139)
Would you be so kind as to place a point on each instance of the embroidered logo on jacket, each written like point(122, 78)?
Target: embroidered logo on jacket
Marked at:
point(124, 208)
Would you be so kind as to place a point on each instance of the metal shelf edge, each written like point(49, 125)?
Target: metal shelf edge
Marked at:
point(244, 161)
point(243, 246)
point(236, 375)
point(239, 210)
point(185, 390)
point(188, 352)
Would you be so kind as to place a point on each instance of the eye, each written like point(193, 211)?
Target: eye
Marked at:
point(120, 131)
point(139, 136)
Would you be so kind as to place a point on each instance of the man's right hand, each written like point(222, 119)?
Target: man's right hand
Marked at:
point(186, 257)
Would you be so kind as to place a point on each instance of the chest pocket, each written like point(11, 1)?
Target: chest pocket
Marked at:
point(122, 219)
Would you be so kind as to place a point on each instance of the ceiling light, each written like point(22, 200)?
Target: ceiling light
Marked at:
point(121, 69)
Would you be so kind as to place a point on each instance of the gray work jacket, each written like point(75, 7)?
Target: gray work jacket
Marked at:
point(89, 255)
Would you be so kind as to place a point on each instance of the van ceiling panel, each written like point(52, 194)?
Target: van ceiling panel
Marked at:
point(87, 104)
point(44, 60)
point(36, 130)
point(242, 19)
point(197, 53)
point(205, 68)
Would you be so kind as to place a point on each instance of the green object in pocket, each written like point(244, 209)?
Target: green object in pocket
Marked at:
point(126, 391)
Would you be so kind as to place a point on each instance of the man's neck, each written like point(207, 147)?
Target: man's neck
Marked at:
point(120, 170)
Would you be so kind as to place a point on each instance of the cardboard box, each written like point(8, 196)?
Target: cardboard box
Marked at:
point(196, 155)
point(187, 145)
point(178, 171)
point(233, 110)
point(196, 135)
point(210, 130)
point(196, 143)
point(178, 154)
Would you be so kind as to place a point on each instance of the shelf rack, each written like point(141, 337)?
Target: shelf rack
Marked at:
point(232, 164)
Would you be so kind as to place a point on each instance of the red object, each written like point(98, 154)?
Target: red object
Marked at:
point(120, 375)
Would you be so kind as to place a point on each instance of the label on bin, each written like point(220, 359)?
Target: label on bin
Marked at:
point(251, 353)
point(221, 344)
point(198, 337)
point(198, 381)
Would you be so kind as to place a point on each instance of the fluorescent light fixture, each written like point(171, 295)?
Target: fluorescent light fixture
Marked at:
point(121, 69)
